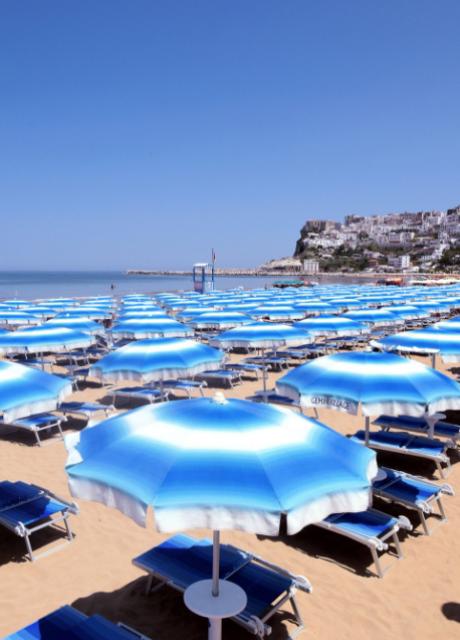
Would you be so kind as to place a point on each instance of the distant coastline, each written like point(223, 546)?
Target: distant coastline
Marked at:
point(263, 273)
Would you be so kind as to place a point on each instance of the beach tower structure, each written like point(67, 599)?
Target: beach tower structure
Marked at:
point(203, 277)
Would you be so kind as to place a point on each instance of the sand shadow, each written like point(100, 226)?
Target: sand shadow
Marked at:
point(13, 548)
point(162, 614)
point(451, 611)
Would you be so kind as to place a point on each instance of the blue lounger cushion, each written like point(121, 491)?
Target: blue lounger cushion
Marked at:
point(30, 512)
point(403, 441)
point(262, 587)
point(38, 420)
point(55, 625)
point(138, 391)
point(441, 428)
point(184, 560)
point(407, 488)
point(364, 523)
point(84, 407)
point(14, 493)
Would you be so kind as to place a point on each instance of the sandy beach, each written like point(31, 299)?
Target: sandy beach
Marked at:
point(418, 598)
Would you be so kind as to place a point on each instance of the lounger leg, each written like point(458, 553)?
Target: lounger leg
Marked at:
point(440, 469)
point(37, 438)
point(69, 534)
point(397, 545)
point(441, 508)
point(424, 523)
point(376, 560)
point(298, 617)
point(29, 547)
point(60, 430)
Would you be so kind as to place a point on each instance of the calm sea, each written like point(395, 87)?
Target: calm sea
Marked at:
point(50, 284)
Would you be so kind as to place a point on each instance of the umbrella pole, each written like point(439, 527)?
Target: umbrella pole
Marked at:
point(433, 360)
point(215, 562)
point(366, 432)
point(264, 375)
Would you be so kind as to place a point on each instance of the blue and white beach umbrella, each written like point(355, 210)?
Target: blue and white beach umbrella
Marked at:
point(85, 325)
point(220, 464)
point(261, 335)
point(219, 320)
point(377, 317)
point(448, 326)
point(25, 391)
point(156, 360)
point(44, 339)
point(332, 325)
point(378, 382)
point(17, 317)
point(426, 341)
point(140, 328)
point(277, 312)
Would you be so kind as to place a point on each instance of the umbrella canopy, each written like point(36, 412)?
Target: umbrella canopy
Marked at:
point(219, 320)
point(139, 328)
point(374, 316)
point(44, 338)
point(220, 464)
point(277, 312)
point(25, 391)
point(18, 317)
point(378, 382)
point(448, 326)
point(335, 325)
point(261, 335)
point(430, 340)
point(156, 360)
point(78, 324)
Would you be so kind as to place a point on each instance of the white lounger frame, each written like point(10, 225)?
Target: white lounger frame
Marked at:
point(256, 626)
point(374, 544)
point(57, 522)
point(422, 507)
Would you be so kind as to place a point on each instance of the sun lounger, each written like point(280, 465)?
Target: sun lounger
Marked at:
point(413, 493)
point(150, 394)
point(37, 424)
point(245, 368)
point(225, 377)
point(409, 445)
point(26, 508)
point(441, 429)
point(275, 363)
point(67, 623)
point(305, 351)
point(371, 528)
point(181, 560)
point(185, 385)
point(85, 410)
point(274, 398)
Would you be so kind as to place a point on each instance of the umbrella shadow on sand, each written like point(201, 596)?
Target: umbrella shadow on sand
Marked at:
point(451, 611)
point(162, 614)
point(331, 547)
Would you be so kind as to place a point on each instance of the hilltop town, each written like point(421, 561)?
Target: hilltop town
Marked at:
point(395, 242)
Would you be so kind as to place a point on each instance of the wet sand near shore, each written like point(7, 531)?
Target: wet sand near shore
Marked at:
point(418, 598)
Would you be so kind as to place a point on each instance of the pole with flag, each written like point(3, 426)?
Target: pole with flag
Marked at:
point(213, 261)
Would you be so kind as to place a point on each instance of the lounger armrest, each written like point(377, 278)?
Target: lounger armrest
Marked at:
point(447, 489)
point(71, 506)
point(259, 628)
point(135, 633)
point(301, 582)
point(404, 523)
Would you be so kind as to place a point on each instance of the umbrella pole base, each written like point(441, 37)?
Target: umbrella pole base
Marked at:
point(215, 629)
point(230, 601)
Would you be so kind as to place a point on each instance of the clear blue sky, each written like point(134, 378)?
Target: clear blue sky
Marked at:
point(137, 133)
